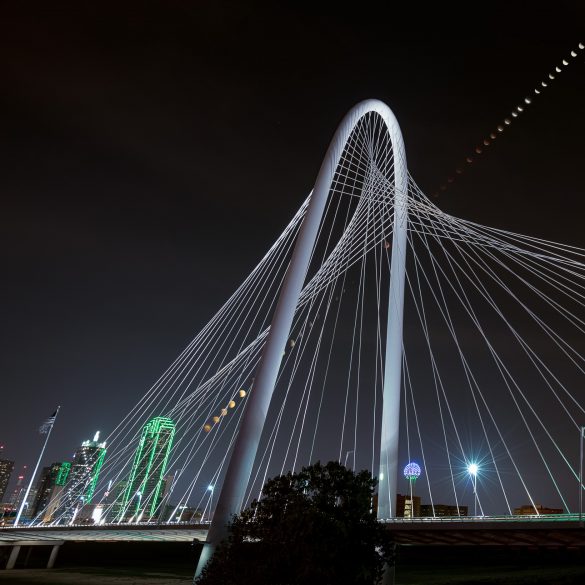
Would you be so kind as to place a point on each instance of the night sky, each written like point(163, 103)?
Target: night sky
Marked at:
point(151, 155)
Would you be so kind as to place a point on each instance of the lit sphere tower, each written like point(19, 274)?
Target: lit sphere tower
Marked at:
point(412, 472)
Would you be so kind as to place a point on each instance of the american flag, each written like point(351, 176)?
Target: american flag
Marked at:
point(48, 424)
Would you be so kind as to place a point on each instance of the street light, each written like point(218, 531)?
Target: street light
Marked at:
point(581, 434)
point(473, 469)
point(138, 506)
point(210, 488)
point(181, 509)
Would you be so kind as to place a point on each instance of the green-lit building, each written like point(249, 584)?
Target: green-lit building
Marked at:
point(144, 491)
point(83, 477)
point(49, 489)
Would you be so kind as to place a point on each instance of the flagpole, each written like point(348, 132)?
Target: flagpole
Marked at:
point(32, 478)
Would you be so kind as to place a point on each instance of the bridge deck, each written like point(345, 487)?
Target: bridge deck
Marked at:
point(559, 531)
point(144, 534)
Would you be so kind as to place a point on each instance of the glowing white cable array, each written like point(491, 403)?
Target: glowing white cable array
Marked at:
point(492, 356)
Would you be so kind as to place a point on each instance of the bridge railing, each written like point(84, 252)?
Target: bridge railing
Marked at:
point(204, 525)
point(502, 518)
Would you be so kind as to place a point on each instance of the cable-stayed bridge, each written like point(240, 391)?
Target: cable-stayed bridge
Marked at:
point(377, 330)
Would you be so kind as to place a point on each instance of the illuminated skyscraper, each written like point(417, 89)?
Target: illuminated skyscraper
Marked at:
point(144, 489)
point(167, 489)
point(113, 499)
point(19, 489)
point(83, 476)
point(49, 489)
point(6, 469)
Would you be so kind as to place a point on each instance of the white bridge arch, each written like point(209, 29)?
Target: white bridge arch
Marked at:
point(242, 459)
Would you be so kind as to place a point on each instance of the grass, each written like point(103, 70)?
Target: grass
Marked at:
point(434, 571)
point(97, 576)
point(491, 575)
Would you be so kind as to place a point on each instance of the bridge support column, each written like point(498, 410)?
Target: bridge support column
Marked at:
point(242, 459)
point(389, 577)
point(388, 473)
point(53, 556)
point(13, 556)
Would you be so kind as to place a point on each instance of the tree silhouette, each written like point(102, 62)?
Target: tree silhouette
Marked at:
point(312, 527)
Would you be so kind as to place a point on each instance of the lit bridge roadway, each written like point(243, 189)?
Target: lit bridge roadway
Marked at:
point(558, 531)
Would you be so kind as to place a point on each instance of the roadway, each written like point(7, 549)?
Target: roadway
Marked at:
point(565, 531)
point(558, 531)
